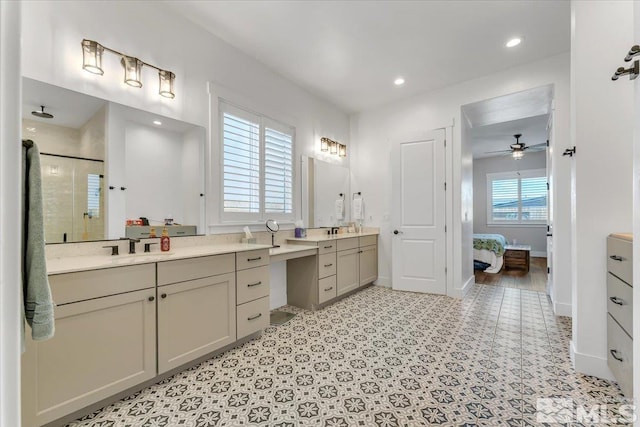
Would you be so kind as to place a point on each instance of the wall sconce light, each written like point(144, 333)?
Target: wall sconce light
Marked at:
point(324, 144)
point(333, 147)
point(92, 62)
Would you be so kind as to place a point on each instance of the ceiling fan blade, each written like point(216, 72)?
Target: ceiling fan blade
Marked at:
point(499, 151)
point(543, 144)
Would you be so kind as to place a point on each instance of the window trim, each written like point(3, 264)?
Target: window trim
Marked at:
point(529, 173)
point(264, 121)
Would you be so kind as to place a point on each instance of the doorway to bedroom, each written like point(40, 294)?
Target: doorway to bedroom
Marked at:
point(509, 137)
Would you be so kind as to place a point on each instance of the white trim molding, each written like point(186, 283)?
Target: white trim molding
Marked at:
point(562, 309)
point(590, 365)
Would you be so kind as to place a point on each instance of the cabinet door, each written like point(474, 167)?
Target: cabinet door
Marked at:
point(368, 264)
point(347, 271)
point(101, 347)
point(195, 318)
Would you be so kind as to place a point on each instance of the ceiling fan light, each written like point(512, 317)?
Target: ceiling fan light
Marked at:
point(518, 154)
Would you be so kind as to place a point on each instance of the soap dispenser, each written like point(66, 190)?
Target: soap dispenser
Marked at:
point(165, 241)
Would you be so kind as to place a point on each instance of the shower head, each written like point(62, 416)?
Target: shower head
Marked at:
point(42, 114)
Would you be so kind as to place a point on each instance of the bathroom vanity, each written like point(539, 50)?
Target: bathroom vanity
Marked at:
point(125, 322)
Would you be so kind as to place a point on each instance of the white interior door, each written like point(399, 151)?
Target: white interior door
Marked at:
point(549, 206)
point(418, 215)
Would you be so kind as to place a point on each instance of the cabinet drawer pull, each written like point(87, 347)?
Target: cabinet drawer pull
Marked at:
point(163, 296)
point(360, 252)
point(254, 317)
point(328, 289)
point(250, 285)
point(328, 247)
point(328, 265)
point(614, 353)
point(617, 300)
point(617, 258)
point(254, 259)
point(151, 298)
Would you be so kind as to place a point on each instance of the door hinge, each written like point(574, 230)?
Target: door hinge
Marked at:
point(445, 142)
point(547, 142)
point(547, 186)
point(445, 228)
point(548, 270)
point(445, 186)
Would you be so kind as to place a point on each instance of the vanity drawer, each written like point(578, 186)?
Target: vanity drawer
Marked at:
point(326, 265)
point(252, 284)
point(345, 244)
point(620, 356)
point(327, 289)
point(620, 258)
point(620, 302)
point(252, 316)
point(251, 259)
point(181, 270)
point(368, 240)
point(84, 285)
point(326, 247)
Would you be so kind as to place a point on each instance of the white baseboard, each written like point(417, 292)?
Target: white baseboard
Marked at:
point(462, 292)
point(590, 365)
point(539, 254)
point(562, 309)
point(383, 281)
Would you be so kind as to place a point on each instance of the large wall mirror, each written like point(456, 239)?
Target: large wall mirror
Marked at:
point(324, 184)
point(105, 163)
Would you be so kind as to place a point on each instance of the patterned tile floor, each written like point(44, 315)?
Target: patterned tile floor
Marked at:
point(380, 358)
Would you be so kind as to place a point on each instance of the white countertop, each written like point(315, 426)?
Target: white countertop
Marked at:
point(325, 237)
point(94, 262)
point(285, 252)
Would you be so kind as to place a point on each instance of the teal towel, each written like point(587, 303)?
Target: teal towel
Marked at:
point(38, 304)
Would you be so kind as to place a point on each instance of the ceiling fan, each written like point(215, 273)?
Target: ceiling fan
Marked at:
point(518, 148)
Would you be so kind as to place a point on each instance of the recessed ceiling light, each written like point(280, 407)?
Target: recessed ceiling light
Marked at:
point(157, 122)
point(31, 129)
point(513, 42)
point(399, 81)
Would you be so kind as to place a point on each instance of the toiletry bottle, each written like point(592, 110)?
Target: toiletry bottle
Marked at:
point(152, 232)
point(165, 242)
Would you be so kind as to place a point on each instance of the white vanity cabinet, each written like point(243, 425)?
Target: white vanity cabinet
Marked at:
point(196, 308)
point(252, 312)
point(104, 343)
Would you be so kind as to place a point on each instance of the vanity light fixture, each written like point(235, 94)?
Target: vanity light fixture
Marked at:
point(333, 147)
point(92, 62)
point(324, 144)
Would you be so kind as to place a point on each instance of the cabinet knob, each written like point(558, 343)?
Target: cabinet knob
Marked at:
point(163, 296)
point(152, 298)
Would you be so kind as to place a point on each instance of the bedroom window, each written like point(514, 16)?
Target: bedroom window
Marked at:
point(517, 197)
point(257, 166)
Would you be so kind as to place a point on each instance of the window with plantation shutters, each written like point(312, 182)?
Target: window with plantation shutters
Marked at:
point(257, 166)
point(517, 197)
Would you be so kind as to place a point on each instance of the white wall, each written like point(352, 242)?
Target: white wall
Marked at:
point(534, 235)
point(373, 132)
point(52, 53)
point(10, 160)
point(602, 131)
point(153, 174)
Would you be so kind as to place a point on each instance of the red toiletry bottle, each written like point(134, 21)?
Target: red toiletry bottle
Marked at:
point(165, 241)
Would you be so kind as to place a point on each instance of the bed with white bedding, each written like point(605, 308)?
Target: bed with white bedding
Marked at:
point(489, 248)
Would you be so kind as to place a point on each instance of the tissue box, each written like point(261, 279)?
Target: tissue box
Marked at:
point(251, 240)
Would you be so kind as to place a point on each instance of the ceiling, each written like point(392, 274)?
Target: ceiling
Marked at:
point(499, 136)
point(350, 52)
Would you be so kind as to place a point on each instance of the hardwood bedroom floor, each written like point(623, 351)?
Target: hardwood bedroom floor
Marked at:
point(535, 280)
